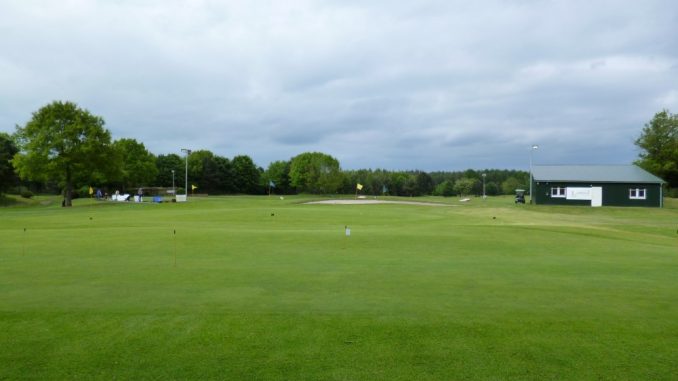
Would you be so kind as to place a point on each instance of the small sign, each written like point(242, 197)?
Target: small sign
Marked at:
point(348, 231)
point(578, 193)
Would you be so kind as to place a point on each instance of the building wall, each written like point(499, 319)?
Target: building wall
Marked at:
point(614, 194)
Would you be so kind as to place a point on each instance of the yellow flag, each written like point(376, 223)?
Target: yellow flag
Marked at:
point(359, 186)
point(91, 191)
point(194, 187)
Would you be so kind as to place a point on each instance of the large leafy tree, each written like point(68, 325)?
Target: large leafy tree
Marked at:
point(425, 183)
point(397, 183)
point(64, 143)
point(201, 171)
point(209, 172)
point(224, 171)
point(138, 167)
point(7, 151)
point(166, 164)
point(315, 172)
point(245, 175)
point(659, 144)
point(279, 173)
point(410, 187)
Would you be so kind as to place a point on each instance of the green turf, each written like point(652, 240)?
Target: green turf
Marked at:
point(484, 290)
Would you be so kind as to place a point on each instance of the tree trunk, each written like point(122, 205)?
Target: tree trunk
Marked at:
point(69, 188)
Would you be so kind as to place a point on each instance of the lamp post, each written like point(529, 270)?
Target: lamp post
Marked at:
point(187, 152)
point(484, 175)
point(174, 190)
point(534, 148)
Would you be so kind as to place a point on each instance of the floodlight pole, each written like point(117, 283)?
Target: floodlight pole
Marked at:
point(532, 149)
point(484, 175)
point(174, 190)
point(188, 152)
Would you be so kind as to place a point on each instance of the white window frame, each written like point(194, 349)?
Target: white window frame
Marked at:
point(558, 192)
point(638, 193)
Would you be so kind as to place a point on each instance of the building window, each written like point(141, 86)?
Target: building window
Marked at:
point(558, 192)
point(637, 194)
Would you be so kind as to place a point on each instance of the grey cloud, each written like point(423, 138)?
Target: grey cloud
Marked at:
point(429, 85)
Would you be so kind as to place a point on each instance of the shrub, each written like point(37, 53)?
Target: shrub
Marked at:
point(464, 186)
point(445, 189)
point(26, 193)
point(17, 190)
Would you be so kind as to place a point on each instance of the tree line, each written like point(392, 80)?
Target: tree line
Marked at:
point(66, 149)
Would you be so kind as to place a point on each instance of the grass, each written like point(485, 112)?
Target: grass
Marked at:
point(270, 289)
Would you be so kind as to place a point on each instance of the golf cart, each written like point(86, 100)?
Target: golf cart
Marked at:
point(520, 196)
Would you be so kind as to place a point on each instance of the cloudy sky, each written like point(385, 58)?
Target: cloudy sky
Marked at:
point(426, 84)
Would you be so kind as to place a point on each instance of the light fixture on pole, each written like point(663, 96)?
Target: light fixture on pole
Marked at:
point(484, 175)
point(187, 152)
point(534, 148)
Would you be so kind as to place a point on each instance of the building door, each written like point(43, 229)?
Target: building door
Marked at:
point(596, 196)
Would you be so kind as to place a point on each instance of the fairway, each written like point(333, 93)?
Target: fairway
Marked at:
point(263, 288)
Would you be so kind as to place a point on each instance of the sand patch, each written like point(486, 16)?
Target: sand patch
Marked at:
point(372, 202)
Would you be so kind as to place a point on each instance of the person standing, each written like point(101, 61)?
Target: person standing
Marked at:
point(140, 193)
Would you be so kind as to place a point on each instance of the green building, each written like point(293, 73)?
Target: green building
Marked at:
point(596, 185)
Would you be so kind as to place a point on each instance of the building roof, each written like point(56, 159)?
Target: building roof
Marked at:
point(594, 173)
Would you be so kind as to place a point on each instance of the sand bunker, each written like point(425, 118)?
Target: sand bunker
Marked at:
point(368, 202)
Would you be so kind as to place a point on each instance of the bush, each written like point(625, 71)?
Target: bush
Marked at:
point(672, 192)
point(17, 190)
point(22, 191)
point(464, 186)
point(82, 192)
point(510, 185)
point(491, 189)
point(445, 189)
